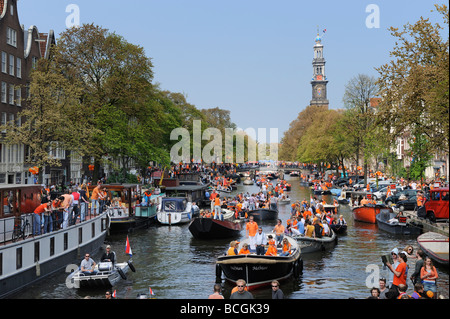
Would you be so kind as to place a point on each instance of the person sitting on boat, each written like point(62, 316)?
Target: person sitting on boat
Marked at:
point(271, 250)
point(318, 229)
point(88, 265)
point(108, 255)
point(244, 250)
point(232, 251)
point(364, 201)
point(286, 248)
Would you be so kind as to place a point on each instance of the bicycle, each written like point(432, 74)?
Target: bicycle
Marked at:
point(22, 229)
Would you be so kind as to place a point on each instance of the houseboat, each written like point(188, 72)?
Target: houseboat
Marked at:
point(122, 206)
point(31, 258)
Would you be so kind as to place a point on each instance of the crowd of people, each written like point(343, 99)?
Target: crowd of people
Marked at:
point(422, 280)
point(59, 210)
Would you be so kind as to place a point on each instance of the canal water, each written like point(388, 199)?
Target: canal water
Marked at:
point(177, 266)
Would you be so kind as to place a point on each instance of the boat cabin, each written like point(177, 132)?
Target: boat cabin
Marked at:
point(192, 193)
point(120, 196)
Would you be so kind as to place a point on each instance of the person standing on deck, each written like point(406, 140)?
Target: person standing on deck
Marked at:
point(251, 227)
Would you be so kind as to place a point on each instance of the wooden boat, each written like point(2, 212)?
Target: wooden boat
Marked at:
point(36, 257)
point(312, 245)
point(106, 275)
point(125, 214)
point(209, 228)
point(388, 222)
point(263, 214)
point(435, 246)
point(367, 213)
point(339, 229)
point(259, 271)
point(175, 210)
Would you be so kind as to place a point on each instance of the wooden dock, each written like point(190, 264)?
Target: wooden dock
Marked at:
point(439, 227)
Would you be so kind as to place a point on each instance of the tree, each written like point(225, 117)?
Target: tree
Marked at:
point(298, 127)
point(414, 85)
point(357, 98)
point(51, 119)
point(115, 77)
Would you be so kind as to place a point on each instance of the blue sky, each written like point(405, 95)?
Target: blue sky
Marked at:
point(252, 57)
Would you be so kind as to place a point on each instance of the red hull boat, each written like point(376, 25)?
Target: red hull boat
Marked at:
point(367, 213)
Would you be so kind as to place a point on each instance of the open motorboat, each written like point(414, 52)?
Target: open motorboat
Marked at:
point(260, 270)
point(106, 274)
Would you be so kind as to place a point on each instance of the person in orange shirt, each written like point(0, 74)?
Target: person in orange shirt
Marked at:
point(37, 217)
point(286, 248)
point(271, 250)
point(400, 274)
point(244, 250)
point(251, 228)
point(279, 232)
point(218, 208)
point(95, 199)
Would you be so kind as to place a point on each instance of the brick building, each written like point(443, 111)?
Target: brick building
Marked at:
point(20, 49)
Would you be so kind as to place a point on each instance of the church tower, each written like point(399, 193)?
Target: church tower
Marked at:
point(319, 80)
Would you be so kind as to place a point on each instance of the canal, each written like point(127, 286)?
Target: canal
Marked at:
point(176, 266)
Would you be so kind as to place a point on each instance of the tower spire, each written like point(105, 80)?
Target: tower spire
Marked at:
point(319, 81)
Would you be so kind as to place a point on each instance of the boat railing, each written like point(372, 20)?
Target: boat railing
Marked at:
point(9, 225)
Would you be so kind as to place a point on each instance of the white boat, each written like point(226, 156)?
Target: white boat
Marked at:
point(248, 181)
point(35, 257)
point(176, 210)
point(436, 246)
point(284, 201)
point(106, 274)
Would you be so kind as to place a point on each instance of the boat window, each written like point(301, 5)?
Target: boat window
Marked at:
point(170, 206)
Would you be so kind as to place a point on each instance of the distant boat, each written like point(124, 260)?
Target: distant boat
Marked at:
point(386, 221)
point(435, 246)
point(311, 245)
point(209, 228)
point(367, 213)
point(263, 214)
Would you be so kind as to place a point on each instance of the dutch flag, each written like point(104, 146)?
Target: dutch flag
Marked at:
point(128, 248)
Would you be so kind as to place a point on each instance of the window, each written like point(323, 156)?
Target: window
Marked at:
point(11, 94)
point(3, 93)
point(19, 258)
point(11, 37)
point(19, 97)
point(11, 64)
point(37, 251)
point(4, 57)
point(19, 68)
